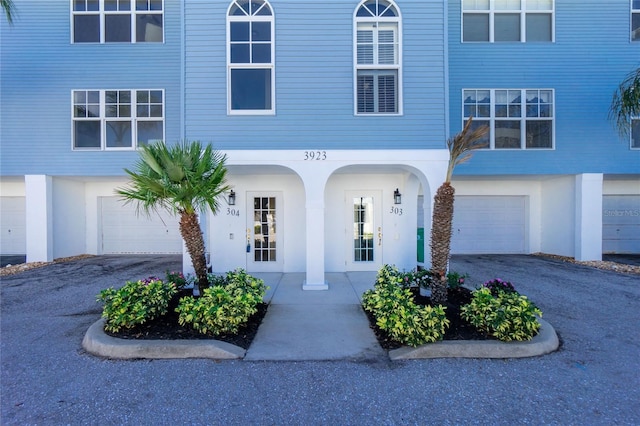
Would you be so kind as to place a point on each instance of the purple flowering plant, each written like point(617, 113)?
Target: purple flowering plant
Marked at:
point(177, 278)
point(497, 285)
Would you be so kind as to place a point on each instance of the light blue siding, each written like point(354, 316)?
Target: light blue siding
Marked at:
point(590, 57)
point(40, 67)
point(314, 81)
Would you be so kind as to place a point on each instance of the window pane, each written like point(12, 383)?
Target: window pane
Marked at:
point(386, 47)
point(387, 93)
point(261, 54)
point(119, 134)
point(635, 27)
point(117, 28)
point(507, 5)
point(149, 132)
point(475, 27)
point(261, 31)
point(251, 89)
point(239, 31)
point(539, 4)
point(365, 54)
point(240, 53)
point(636, 4)
point(507, 134)
point(86, 29)
point(475, 4)
point(156, 110)
point(507, 27)
point(86, 134)
point(538, 27)
point(149, 28)
point(484, 141)
point(539, 134)
point(635, 133)
point(365, 93)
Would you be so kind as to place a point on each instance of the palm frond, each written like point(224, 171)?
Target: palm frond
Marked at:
point(462, 144)
point(625, 104)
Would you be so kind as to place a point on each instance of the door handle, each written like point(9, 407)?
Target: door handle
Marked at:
point(379, 236)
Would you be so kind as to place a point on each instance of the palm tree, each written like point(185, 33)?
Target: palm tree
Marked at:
point(9, 9)
point(460, 147)
point(625, 104)
point(182, 179)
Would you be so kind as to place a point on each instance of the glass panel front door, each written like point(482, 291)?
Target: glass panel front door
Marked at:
point(363, 229)
point(264, 232)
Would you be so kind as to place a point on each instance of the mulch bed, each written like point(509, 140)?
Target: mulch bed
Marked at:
point(166, 327)
point(458, 329)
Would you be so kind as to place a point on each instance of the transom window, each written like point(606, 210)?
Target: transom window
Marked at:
point(377, 55)
point(117, 21)
point(517, 118)
point(635, 20)
point(117, 119)
point(250, 57)
point(507, 20)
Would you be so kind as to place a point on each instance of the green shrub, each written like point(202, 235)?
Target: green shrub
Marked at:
point(395, 312)
point(177, 278)
point(224, 307)
point(455, 280)
point(507, 316)
point(135, 303)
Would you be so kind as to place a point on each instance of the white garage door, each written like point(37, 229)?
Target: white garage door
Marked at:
point(13, 229)
point(621, 224)
point(489, 224)
point(125, 232)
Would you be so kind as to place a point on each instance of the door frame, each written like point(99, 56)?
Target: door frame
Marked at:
point(378, 232)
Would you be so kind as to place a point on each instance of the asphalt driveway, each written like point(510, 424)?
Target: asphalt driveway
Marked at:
point(594, 378)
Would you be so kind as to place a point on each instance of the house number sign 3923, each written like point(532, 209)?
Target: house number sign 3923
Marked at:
point(315, 155)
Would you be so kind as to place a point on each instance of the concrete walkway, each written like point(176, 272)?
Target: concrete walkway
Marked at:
point(315, 325)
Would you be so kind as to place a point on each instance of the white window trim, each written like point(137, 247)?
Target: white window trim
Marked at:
point(103, 120)
point(271, 66)
point(523, 119)
point(523, 17)
point(102, 13)
point(397, 67)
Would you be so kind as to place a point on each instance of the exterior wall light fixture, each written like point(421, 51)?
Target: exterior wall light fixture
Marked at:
point(397, 197)
point(232, 198)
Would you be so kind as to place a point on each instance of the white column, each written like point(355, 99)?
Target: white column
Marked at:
point(588, 231)
point(39, 218)
point(314, 208)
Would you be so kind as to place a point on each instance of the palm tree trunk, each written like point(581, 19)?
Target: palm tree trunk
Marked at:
point(192, 235)
point(441, 240)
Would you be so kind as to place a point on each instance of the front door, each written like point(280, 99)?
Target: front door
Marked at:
point(364, 231)
point(264, 232)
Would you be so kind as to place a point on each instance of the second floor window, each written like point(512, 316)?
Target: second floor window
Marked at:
point(117, 119)
point(250, 58)
point(507, 20)
point(635, 133)
point(517, 118)
point(635, 20)
point(377, 52)
point(117, 21)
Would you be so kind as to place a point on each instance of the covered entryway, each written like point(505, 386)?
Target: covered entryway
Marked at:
point(621, 224)
point(13, 237)
point(489, 224)
point(123, 231)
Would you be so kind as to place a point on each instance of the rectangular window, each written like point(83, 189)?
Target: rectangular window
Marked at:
point(117, 21)
point(507, 20)
point(517, 118)
point(635, 20)
point(117, 119)
point(635, 133)
point(377, 66)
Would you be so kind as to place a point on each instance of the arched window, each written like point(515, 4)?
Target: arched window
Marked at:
point(377, 58)
point(250, 57)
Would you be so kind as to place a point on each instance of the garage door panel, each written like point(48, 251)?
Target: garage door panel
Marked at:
point(13, 225)
point(124, 231)
point(621, 224)
point(489, 224)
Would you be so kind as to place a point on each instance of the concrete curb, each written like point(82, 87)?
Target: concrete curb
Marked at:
point(97, 342)
point(544, 342)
